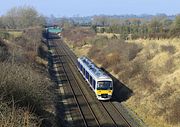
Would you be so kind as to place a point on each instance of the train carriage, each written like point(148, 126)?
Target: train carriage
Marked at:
point(98, 80)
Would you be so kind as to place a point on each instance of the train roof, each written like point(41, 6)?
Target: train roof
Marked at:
point(93, 69)
point(54, 29)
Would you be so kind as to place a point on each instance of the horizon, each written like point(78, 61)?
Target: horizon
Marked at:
point(111, 15)
point(80, 8)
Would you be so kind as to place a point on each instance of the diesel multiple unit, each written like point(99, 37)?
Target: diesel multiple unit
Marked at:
point(98, 80)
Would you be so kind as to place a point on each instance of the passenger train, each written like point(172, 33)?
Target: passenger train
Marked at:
point(98, 80)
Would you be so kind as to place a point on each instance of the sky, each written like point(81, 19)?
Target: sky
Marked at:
point(68, 8)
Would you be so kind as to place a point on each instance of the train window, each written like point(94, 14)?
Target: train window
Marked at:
point(87, 75)
point(90, 80)
point(80, 67)
point(94, 83)
point(104, 85)
point(83, 71)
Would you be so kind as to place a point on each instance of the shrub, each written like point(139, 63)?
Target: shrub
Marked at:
point(134, 49)
point(4, 35)
point(94, 51)
point(174, 116)
point(21, 88)
point(4, 53)
point(151, 50)
point(43, 51)
point(110, 61)
point(169, 65)
point(78, 35)
point(116, 68)
point(13, 116)
point(22, 83)
point(137, 67)
point(168, 48)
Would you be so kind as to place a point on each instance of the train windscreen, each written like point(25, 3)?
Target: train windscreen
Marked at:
point(104, 85)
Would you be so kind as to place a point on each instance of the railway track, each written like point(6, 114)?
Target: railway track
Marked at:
point(112, 113)
point(86, 113)
point(115, 114)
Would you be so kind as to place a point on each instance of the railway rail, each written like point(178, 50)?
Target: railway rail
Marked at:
point(87, 115)
point(114, 114)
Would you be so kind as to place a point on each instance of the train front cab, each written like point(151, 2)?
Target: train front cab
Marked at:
point(104, 89)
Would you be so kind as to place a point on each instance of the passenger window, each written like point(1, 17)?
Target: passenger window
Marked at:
point(83, 71)
point(94, 83)
point(87, 75)
point(91, 80)
point(81, 67)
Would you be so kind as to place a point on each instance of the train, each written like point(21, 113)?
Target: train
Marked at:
point(53, 31)
point(98, 80)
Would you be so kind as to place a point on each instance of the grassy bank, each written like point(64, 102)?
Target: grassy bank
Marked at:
point(149, 67)
point(24, 96)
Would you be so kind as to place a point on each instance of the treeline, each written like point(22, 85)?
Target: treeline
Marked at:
point(157, 27)
point(21, 17)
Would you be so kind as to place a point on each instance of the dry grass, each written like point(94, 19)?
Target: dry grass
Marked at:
point(16, 34)
point(26, 87)
point(78, 36)
point(150, 68)
point(161, 58)
point(109, 35)
point(24, 96)
point(4, 54)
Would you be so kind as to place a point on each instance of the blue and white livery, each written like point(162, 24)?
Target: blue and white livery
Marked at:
point(98, 80)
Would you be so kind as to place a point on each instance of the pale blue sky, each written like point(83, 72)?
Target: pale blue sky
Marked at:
point(92, 7)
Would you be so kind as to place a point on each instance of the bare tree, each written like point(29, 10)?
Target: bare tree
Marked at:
point(22, 17)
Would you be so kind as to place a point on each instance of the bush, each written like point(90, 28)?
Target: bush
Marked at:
point(4, 53)
point(21, 88)
point(174, 116)
point(116, 68)
point(13, 116)
point(94, 51)
point(23, 91)
point(169, 65)
point(4, 35)
point(77, 36)
point(23, 84)
point(43, 51)
point(150, 50)
point(168, 48)
point(133, 51)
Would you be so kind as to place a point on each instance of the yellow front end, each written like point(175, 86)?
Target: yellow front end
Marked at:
point(104, 94)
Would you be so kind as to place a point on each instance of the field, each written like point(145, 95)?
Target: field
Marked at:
point(150, 68)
